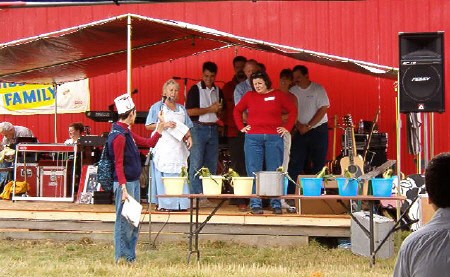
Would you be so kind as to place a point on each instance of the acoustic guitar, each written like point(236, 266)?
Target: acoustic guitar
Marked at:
point(353, 163)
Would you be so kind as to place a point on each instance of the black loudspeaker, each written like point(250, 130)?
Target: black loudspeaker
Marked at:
point(421, 80)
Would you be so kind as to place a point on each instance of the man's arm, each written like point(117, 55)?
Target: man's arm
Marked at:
point(193, 104)
point(304, 128)
point(215, 107)
point(321, 112)
point(238, 93)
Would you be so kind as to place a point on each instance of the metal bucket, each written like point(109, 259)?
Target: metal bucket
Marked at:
point(269, 183)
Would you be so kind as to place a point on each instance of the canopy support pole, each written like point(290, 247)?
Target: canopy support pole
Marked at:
point(55, 89)
point(398, 135)
point(398, 123)
point(129, 55)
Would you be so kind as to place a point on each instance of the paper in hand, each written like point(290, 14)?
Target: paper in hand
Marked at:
point(179, 131)
point(131, 210)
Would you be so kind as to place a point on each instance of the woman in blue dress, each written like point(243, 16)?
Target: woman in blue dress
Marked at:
point(171, 152)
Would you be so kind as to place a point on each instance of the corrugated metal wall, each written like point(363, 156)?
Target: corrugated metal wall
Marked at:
point(365, 30)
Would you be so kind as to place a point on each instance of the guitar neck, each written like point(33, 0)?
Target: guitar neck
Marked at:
point(351, 144)
point(354, 153)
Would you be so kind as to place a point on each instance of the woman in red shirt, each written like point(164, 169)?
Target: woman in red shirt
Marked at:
point(264, 130)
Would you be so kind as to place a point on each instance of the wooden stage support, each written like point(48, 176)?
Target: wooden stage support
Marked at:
point(70, 221)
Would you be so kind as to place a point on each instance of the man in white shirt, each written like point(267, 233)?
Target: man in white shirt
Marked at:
point(204, 102)
point(426, 251)
point(310, 138)
point(10, 132)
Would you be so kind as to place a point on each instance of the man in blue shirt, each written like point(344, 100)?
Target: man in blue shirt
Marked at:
point(426, 251)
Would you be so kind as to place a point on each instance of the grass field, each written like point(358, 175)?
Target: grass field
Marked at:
point(85, 258)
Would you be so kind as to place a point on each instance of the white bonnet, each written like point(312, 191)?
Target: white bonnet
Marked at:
point(124, 103)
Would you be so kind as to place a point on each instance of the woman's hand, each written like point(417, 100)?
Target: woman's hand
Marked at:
point(246, 129)
point(161, 123)
point(169, 124)
point(282, 131)
point(188, 142)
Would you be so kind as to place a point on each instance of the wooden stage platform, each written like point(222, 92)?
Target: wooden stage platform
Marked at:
point(71, 221)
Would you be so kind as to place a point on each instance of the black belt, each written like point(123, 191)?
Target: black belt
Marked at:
point(206, 123)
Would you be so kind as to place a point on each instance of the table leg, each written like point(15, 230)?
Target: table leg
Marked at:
point(395, 227)
point(371, 234)
point(193, 236)
point(196, 228)
point(194, 233)
point(190, 229)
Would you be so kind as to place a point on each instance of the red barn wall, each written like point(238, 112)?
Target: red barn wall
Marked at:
point(363, 30)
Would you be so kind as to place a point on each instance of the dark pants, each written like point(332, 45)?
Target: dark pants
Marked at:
point(308, 150)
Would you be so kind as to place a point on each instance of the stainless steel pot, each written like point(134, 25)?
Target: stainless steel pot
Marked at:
point(269, 183)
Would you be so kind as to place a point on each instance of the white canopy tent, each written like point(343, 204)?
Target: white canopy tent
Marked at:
point(101, 47)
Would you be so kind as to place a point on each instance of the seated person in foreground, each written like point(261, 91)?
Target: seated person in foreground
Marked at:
point(425, 252)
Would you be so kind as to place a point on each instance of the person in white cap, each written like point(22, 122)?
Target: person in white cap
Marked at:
point(122, 149)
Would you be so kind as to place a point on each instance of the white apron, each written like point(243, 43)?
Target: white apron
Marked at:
point(169, 153)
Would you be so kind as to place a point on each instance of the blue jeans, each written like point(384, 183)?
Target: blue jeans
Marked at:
point(204, 152)
point(309, 149)
point(259, 149)
point(125, 234)
point(4, 175)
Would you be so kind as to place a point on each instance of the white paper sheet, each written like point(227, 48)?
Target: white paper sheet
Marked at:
point(131, 210)
point(179, 131)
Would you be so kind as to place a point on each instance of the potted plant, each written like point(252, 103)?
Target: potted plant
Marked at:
point(312, 186)
point(212, 184)
point(241, 185)
point(175, 185)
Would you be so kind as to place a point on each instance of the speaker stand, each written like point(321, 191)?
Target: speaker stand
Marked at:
point(425, 141)
point(428, 139)
point(431, 135)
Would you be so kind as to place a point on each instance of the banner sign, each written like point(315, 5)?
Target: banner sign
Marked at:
point(26, 99)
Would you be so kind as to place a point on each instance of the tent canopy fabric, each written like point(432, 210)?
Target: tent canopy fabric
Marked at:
point(100, 47)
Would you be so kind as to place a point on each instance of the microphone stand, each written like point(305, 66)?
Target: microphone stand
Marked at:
point(148, 162)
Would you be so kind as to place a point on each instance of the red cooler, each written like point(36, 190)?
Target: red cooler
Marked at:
point(53, 181)
point(30, 176)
